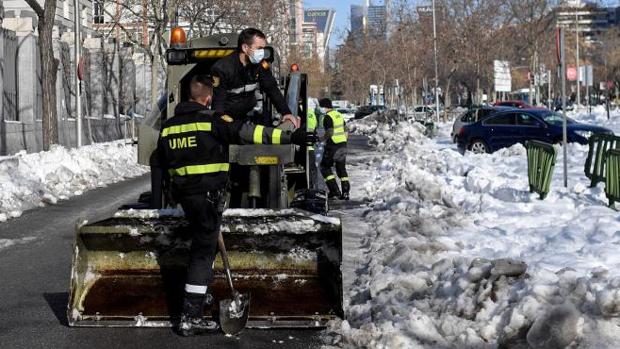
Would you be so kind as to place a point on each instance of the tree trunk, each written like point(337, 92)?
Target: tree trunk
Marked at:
point(154, 81)
point(49, 68)
point(447, 99)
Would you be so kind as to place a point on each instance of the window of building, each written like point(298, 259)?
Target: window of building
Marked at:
point(65, 8)
point(98, 12)
point(84, 16)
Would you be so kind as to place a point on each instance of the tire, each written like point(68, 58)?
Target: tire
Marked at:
point(478, 146)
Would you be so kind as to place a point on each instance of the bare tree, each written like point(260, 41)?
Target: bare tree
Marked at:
point(49, 67)
point(128, 15)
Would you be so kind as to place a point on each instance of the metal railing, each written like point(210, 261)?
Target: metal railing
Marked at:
point(9, 68)
point(612, 175)
point(540, 163)
point(599, 144)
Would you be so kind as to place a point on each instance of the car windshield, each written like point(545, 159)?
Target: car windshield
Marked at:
point(555, 118)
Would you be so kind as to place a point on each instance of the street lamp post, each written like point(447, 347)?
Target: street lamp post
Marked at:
point(436, 73)
point(564, 137)
point(577, 54)
point(78, 95)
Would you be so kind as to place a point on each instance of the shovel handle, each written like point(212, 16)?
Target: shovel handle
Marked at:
point(222, 247)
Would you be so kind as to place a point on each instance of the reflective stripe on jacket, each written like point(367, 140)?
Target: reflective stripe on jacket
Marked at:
point(193, 146)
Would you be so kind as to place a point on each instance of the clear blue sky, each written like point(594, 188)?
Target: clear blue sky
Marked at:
point(343, 13)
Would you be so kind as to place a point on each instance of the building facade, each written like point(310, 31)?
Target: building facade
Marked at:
point(589, 19)
point(296, 20)
point(358, 18)
point(64, 14)
point(371, 18)
point(323, 18)
point(377, 20)
point(309, 39)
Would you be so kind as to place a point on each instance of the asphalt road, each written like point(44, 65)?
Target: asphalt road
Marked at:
point(34, 285)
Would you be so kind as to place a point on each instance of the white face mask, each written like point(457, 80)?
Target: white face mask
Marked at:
point(257, 56)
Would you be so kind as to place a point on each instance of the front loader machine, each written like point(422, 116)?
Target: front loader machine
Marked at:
point(129, 270)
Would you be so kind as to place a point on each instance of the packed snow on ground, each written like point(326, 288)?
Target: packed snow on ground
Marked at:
point(32, 180)
point(10, 242)
point(461, 255)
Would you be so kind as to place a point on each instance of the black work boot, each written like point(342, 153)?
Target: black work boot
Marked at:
point(334, 191)
point(346, 187)
point(192, 321)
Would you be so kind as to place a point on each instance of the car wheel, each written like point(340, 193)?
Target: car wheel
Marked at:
point(478, 147)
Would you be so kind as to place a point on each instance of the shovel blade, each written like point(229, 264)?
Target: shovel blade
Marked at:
point(234, 317)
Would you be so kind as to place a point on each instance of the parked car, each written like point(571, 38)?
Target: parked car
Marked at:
point(505, 128)
point(557, 105)
point(516, 104)
point(472, 115)
point(366, 110)
point(347, 114)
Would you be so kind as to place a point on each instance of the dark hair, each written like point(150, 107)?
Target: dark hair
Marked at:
point(325, 103)
point(247, 37)
point(203, 79)
point(200, 86)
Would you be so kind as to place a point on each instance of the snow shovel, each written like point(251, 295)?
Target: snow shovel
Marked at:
point(233, 312)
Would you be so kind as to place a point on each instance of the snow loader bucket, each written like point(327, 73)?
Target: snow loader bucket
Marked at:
point(129, 270)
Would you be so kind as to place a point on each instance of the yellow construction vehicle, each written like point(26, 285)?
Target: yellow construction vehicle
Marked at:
point(129, 270)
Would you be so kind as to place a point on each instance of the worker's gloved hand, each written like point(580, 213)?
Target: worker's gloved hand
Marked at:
point(303, 137)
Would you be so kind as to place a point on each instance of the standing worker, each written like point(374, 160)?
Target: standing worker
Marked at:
point(335, 151)
point(193, 148)
point(237, 77)
point(311, 123)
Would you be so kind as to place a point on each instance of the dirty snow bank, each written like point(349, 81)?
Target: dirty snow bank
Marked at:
point(463, 256)
point(32, 180)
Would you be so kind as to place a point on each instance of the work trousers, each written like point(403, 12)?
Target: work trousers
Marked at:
point(204, 214)
point(334, 156)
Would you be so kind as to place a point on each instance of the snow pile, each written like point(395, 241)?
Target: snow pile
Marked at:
point(465, 257)
point(598, 116)
point(32, 180)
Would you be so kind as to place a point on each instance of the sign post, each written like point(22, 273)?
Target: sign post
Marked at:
point(562, 56)
point(502, 78)
point(436, 70)
point(587, 79)
point(77, 78)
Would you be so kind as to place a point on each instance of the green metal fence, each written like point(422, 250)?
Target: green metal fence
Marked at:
point(540, 163)
point(612, 175)
point(595, 163)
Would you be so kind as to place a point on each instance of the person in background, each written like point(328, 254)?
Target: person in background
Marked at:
point(335, 154)
point(237, 77)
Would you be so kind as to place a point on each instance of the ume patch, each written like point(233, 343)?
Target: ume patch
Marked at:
point(182, 142)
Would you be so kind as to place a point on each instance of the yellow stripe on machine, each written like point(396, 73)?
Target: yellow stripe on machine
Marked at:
point(211, 53)
point(266, 160)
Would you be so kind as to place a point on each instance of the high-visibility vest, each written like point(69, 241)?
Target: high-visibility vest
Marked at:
point(339, 135)
point(311, 120)
point(311, 123)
